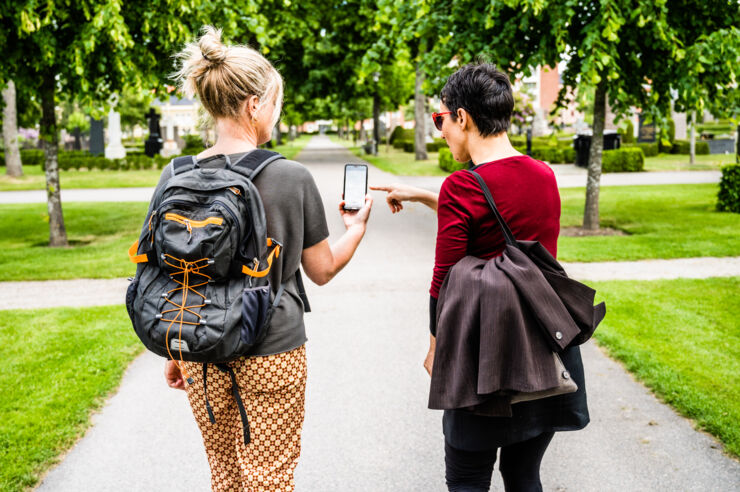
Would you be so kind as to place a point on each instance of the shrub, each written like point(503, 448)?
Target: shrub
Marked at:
point(400, 133)
point(628, 133)
point(518, 141)
point(399, 143)
point(684, 147)
point(408, 146)
point(448, 163)
point(624, 160)
point(550, 154)
point(193, 145)
point(569, 155)
point(31, 157)
point(728, 198)
point(648, 149)
point(717, 128)
point(439, 143)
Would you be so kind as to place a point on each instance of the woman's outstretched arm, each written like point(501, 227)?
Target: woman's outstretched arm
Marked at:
point(399, 193)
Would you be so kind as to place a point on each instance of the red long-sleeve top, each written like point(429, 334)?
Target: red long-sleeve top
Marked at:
point(526, 194)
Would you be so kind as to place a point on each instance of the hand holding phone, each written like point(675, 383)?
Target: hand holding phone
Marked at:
point(355, 186)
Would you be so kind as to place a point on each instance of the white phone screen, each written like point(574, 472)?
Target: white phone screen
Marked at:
point(355, 186)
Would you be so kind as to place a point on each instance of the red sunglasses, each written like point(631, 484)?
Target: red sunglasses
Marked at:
point(438, 119)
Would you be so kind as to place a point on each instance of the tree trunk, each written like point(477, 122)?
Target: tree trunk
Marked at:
point(420, 143)
point(50, 142)
point(692, 139)
point(13, 165)
point(363, 136)
point(376, 120)
point(591, 213)
point(278, 135)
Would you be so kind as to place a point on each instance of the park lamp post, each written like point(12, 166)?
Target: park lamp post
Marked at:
point(376, 113)
point(529, 135)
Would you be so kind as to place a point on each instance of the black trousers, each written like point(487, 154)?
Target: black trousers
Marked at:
point(470, 471)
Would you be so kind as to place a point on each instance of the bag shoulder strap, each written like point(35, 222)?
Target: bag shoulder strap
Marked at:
point(253, 162)
point(302, 291)
point(508, 236)
point(183, 164)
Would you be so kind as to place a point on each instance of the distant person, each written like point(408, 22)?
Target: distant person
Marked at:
point(475, 112)
point(242, 92)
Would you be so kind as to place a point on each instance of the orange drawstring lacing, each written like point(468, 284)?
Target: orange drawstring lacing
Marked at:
point(184, 268)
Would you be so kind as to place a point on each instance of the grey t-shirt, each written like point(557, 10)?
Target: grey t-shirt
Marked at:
point(295, 218)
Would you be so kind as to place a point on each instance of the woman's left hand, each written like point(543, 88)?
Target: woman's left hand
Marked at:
point(173, 376)
point(429, 361)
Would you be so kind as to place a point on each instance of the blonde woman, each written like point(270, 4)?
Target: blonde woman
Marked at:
point(242, 92)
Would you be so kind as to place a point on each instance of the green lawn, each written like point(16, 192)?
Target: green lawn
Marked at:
point(680, 162)
point(396, 161)
point(100, 234)
point(58, 365)
point(671, 221)
point(676, 221)
point(682, 339)
point(34, 179)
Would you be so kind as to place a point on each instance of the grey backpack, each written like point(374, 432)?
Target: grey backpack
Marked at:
point(200, 293)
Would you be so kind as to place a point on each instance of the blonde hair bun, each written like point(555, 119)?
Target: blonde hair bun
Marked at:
point(210, 45)
point(224, 76)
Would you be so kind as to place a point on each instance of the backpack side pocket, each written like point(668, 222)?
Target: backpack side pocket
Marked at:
point(256, 313)
point(130, 296)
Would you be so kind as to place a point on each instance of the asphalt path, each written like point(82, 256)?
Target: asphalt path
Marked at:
point(367, 427)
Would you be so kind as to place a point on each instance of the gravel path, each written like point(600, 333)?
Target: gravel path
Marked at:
point(367, 427)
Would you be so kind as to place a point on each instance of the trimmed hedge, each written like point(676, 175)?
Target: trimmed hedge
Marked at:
point(569, 155)
point(29, 157)
point(624, 160)
point(448, 163)
point(627, 133)
point(408, 146)
point(130, 162)
point(684, 147)
point(553, 155)
point(518, 141)
point(648, 149)
point(716, 128)
point(80, 159)
point(193, 145)
point(400, 133)
point(728, 198)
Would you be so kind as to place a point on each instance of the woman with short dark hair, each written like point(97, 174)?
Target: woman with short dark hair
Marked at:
point(475, 111)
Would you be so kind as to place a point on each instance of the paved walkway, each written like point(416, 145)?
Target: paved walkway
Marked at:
point(367, 427)
point(103, 292)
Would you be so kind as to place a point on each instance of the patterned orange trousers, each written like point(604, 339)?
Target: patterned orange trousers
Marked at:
point(273, 390)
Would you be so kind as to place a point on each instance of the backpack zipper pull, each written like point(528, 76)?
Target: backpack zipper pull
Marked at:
point(190, 230)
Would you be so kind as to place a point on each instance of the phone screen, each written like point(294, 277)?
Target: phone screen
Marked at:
point(355, 186)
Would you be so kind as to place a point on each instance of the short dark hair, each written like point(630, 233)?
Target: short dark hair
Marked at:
point(485, 93)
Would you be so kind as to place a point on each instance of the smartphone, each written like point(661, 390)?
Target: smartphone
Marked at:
point(355, 186)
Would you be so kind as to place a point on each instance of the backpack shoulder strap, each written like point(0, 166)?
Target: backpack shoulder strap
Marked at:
point(183, 164)
point(252, 163)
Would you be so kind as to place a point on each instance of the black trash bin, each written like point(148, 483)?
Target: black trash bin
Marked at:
point(582, 145)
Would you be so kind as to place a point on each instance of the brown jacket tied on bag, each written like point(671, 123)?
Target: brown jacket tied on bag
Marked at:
point(499, 322)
